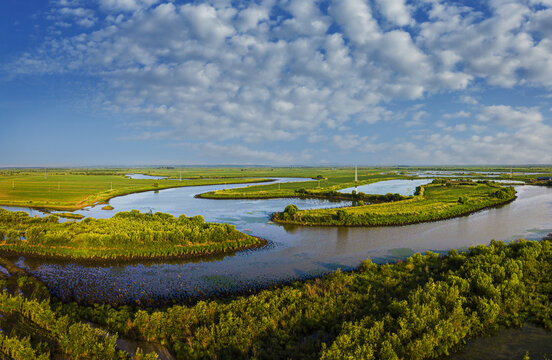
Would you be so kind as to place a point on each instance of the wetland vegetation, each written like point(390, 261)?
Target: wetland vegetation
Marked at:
point(425, 307)
point(127, 235)
point(440, 200)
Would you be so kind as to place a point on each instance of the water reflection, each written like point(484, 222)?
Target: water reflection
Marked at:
point(144, 177)
point(403, 187)
point(296, 252)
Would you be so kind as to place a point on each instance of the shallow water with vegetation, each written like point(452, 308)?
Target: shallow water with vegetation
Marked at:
point(294, 252)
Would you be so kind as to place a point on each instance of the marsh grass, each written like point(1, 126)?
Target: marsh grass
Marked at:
point(434, 202)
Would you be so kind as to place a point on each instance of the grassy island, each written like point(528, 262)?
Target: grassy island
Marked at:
point(425, 307)
point(127, 235)
point(440, 200)
point(311, 188)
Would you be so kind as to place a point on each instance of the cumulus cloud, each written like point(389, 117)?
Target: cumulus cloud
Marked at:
point(507, 116)
point(243, 154)
point(457, 115)
point(277, 71)
point(395, 11)
point(126, 5)
point(66, 13)
point(510, 136)
point(357, 143)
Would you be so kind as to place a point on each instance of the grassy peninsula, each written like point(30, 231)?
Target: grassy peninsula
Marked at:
point(440, 200)
point(315, 187)
point(425, 307)
point(127, 235)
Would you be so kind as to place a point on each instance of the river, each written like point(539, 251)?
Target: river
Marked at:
point(294, 252)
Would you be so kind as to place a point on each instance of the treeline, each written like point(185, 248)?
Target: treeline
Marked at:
point(422, 308)
point(431, 203)
point(357, 197)
point(126, 235)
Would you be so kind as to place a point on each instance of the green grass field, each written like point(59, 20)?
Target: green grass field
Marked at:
point(436, 202)
point(71, 189)
point(66, 191)
point(288, 190)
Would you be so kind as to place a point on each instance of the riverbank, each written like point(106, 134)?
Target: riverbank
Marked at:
point(434, 202)
point(126, 236)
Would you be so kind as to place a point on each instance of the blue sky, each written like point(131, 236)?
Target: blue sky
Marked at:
point(368, 82)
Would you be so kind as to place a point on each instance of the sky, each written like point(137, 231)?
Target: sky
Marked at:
point(292, 82)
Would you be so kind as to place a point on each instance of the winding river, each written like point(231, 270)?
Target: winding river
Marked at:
point(293, 252)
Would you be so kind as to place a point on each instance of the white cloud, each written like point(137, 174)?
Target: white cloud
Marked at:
point(457, 115)
point(395, 11)
point(209, 70)
point(357, 143)
point(67, 11)
point(243, 154)
point(416, 119)
point(356, 19)
point(510, 117)
point(467, 99)
point(126, 5)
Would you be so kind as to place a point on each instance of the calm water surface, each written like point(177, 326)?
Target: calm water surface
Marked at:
point(144, 177)
point(294, 253)
point(403, 187)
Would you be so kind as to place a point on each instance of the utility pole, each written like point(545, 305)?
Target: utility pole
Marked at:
point(180, 174)
point(45, 177)
point(356, 174)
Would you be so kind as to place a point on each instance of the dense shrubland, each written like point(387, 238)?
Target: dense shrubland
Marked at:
point(31, 329)
point(127, 234)
point(354, 196)
point(441, 200)
point(424, 307)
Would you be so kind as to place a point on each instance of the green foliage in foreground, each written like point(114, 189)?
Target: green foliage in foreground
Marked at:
point(31, 329)
point(438, 201)
point(424, 307)
point(127, 234)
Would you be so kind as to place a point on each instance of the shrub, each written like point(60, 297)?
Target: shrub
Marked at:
point(291, 210)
